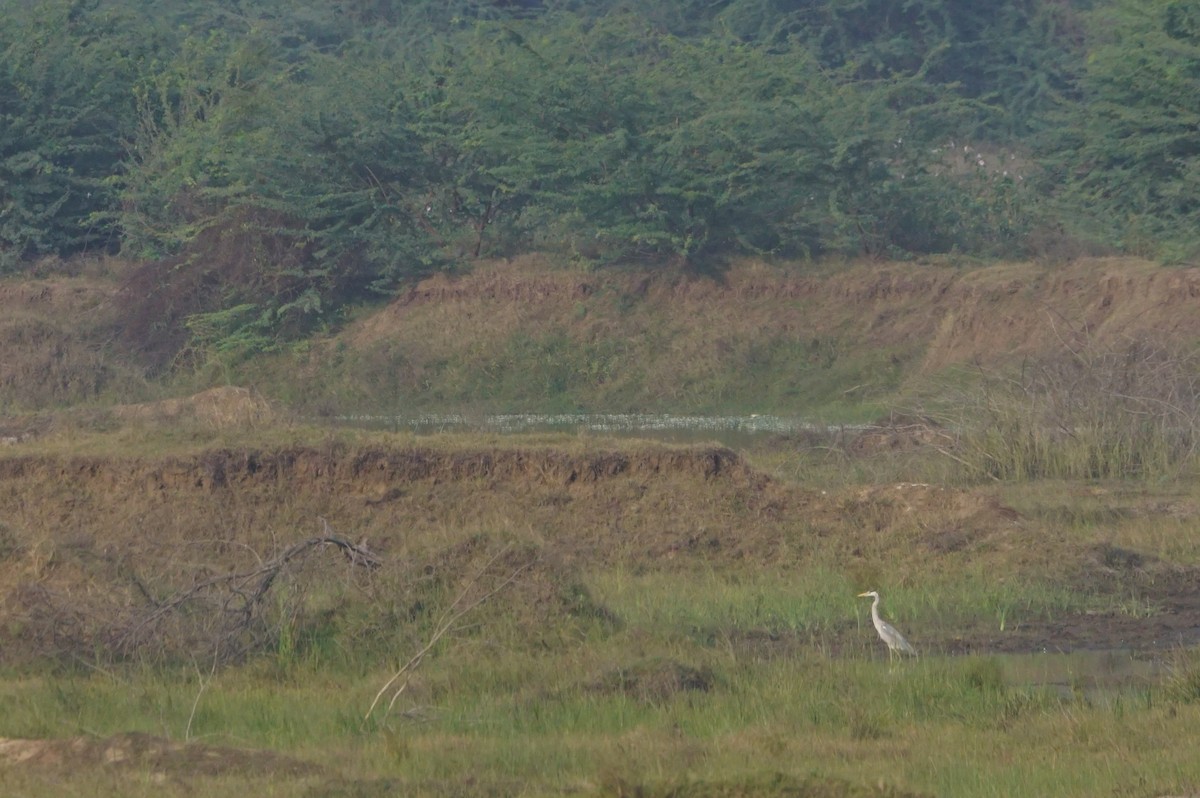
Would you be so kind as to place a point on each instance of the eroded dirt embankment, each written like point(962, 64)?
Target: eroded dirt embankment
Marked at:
point(158, 555)
point(364, 470)
point(104, 554)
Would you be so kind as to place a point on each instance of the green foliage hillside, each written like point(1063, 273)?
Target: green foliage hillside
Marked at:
point(273, 164)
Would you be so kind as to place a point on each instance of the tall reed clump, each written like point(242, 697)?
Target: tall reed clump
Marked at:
point(1084, 413)
point(1183, 677)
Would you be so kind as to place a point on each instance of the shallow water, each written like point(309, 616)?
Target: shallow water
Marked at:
point(732, 431)
point(1087, 674)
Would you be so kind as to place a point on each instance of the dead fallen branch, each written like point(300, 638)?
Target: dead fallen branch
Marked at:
point(239, 596)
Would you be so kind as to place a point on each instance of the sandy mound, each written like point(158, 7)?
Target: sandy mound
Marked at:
point(219, 408)
point(137, 750)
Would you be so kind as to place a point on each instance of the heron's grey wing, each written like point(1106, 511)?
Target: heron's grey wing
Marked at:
point(894, 638)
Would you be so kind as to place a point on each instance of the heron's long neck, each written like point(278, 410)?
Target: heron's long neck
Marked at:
point(875, 610)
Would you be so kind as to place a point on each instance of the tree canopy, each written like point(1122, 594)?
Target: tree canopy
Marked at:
point(280, 159)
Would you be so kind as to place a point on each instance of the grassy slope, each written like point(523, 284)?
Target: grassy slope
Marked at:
point(845, 344)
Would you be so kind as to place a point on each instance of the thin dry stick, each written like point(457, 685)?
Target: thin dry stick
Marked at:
point(941, 450)
point(445, 623)
point(204, 682)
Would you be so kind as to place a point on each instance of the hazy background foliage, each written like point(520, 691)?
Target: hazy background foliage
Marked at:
point(272, 164)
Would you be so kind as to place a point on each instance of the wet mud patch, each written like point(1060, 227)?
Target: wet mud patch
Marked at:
point(1156, 610)
point(1081, 633)
point(774, 786)
point(467, 786)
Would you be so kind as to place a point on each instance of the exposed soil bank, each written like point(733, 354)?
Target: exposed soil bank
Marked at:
point(88, 543)
point(361, 471)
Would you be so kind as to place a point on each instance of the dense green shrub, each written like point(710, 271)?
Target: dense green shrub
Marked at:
point(1130, 149)
point(65, 112)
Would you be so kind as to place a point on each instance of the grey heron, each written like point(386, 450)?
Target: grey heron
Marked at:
point(895, 641)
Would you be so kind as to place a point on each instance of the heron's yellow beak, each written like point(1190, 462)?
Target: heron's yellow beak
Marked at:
point(860, 595)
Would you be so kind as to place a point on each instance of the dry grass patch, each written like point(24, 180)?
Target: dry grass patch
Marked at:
point(55, 337)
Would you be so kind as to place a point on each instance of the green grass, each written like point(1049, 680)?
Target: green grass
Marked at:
point(954, 726)
point(678, 694)
point(816, 604)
